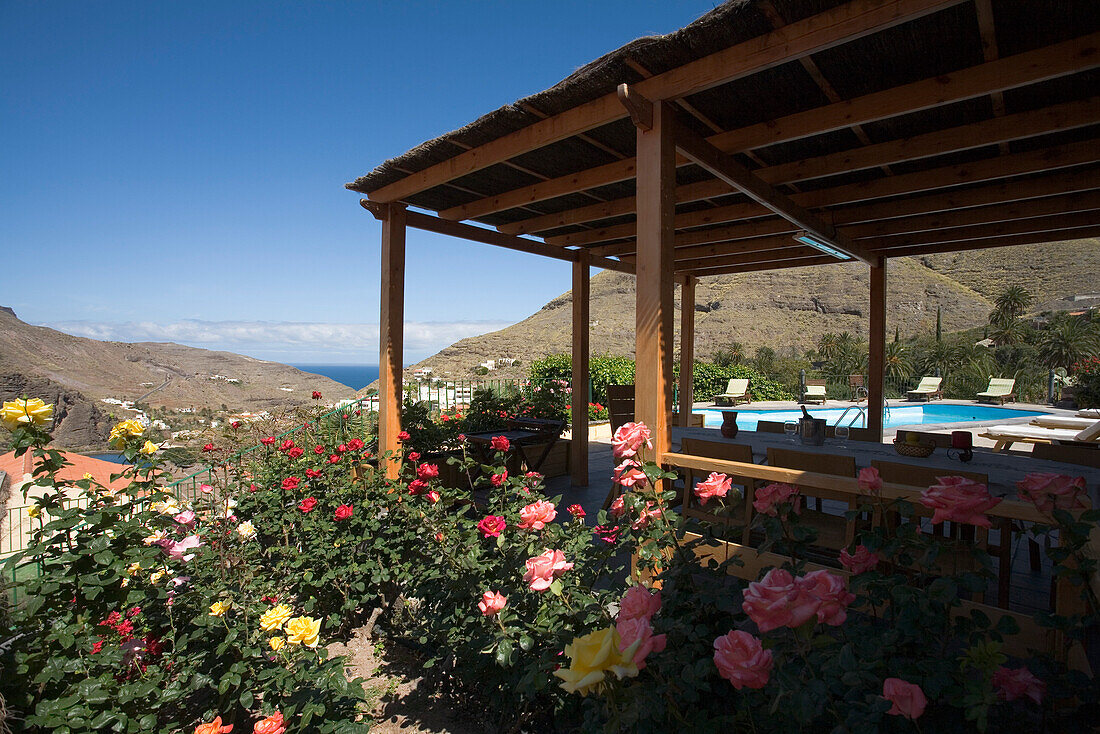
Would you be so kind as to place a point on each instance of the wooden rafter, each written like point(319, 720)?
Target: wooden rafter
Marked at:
point(984, 231)
point(825, 30)
point(944, 177)
point(1008, 73)
point(984, 11)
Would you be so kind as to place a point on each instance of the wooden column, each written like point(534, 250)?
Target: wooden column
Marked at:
point(656, 203)
point(391, 334)
point(578, 447)
point(687, 346)
point(876, 362)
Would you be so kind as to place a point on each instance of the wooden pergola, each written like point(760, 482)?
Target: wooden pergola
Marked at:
point(768, 134)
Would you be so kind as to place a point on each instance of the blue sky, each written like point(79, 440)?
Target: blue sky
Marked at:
point(176, 170)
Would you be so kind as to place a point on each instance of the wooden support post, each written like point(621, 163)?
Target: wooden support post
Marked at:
point(656, 205)
point(578, 445)
point(391, 335)
point(687, 346)
point(876, 362)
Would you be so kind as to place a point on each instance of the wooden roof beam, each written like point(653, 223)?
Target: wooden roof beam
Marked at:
point(1011, 240)
point(428, 223)
point(1050, 62)
point(885, 245)
point(983, 9)
point(833, 27)
point(726, 168)
point(764, 265)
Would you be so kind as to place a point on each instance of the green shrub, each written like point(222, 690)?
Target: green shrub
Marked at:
point(1086, 376)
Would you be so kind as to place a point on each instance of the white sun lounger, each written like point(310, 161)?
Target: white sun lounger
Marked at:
point(1063, 421)
point(1006, 435)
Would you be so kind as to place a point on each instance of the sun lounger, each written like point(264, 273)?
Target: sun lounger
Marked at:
point(999, 391)
point(928, 389)
point(1006, 435)
point(737, 391)
point(1063, 421)
point(814, 392)
point(1093, 413)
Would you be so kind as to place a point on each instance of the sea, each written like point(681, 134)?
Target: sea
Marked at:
point(355, 376)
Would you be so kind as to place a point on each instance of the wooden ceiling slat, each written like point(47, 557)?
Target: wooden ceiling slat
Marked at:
point(1040, 197)
point(1008, 73)
point(819, 32)
point(886, 245)
point(763, 265)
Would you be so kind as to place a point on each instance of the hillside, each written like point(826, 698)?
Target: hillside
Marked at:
point(788, 309)
point(77, 373)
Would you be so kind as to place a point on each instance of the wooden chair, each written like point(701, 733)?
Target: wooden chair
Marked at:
point(769, 427)
point(814, 392)
point(1068, 453)
point(856, 388)
point(922, 477)
point(620, 405)
point(695, 420)
point(833, 531)
point(717, 450)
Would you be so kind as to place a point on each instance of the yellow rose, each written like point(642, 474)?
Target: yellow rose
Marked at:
point(275, 617)
point(88, 476)
point(590, 659)
point(15, 413)
point(149, 448)
point(133, 568)
point(219, 608)
point(276, 642)
point(123, 430)
point(156, 576)
point(303, 631)
point(34, 511)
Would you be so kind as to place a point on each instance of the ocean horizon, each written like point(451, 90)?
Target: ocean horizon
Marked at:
point(355, 376)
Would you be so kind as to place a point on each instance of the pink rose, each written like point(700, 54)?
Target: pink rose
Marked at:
point(607, 533)
point(185, 518)
point(533, 478)
point(830, 590)
point(861, 561)
point(770, 496)
point(544, 568)
point(427, 471)
point(177, 550)
point(1051, 491)
point(500, 443)
point(959, 500)
point(648, 514)
point(716, 485)
point(491, 603)
point(639, 630)
point(629, 473)
point(618, 508)
point(206, 489)
point(498, 480)
point(536, 515)
point(1015, 683)
point(869, 480)
point(779, 600)
point(629, 440)
point(742, 660)
point(908, 698)
point(639, 602)
point(491, 526)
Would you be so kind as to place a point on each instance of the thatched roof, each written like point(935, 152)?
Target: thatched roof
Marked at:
point(935, 44)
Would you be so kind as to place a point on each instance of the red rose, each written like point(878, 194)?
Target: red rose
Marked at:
point(318, 450)
point(333, 458)
point(498, 480)
point(491, 526)
point(341, 448)
point(345, 416)
point(417, 486)
point(500, 443)
point(252, 487)
point(355, 444)
point(313, 473)
point(291, 483)
point(269, 441)
point(207, 448)
point(343, 512)
point(307, 504)
point(295, 452)
point(286, 445)
point(235, 424)
point(427, 471)
point(576, 511)
point(403, 436)
point(316, 395)
point(414, 456)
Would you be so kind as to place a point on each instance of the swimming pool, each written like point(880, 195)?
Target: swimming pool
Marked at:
point(901, 415)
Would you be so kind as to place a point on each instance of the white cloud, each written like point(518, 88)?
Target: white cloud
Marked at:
point(285, 340)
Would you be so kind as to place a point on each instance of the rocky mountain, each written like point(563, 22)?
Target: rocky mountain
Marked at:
point(77, 373)
point(788, 309)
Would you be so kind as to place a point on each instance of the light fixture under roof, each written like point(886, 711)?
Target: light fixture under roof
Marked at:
point(808, 239)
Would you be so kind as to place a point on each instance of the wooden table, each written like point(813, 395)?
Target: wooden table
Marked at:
point(521, 432)
point(1003, 470)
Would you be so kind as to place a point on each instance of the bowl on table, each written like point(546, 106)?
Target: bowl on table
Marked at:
point(914, 450)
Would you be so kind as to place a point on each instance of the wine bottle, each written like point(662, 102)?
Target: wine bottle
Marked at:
point(805, 413)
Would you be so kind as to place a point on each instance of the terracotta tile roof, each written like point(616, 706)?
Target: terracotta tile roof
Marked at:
point(79, 465)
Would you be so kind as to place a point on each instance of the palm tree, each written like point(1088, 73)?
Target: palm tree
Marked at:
point(1007, 332)
point(943, 356)
point(1067, 341)
point(826, 345)
point(1011, 304)
point(897, 364)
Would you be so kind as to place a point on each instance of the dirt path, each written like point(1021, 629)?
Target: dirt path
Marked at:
point(403, 700)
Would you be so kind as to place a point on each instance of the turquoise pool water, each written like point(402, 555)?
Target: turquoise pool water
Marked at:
point(902, 415)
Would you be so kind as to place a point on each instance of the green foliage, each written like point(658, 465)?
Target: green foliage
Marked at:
point(1086, 379)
